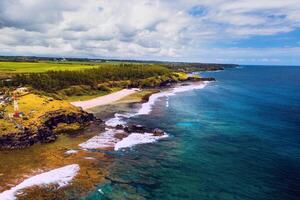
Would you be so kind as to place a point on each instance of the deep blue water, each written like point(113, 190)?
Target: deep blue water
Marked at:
point(238, 138)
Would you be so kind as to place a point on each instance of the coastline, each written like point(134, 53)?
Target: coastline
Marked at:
point(63, 152)
point(119, 130)
point(121, 139)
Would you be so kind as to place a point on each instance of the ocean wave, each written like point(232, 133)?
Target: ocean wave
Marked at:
point(61, 176)
point(103, 140)
point(147, 107)
point(107, 139)
point(118, 119)
point(137, 138)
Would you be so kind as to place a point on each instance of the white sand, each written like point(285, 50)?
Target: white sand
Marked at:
point(61, 176)
point(104, 100)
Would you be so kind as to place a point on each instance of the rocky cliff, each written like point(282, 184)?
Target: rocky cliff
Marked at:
point(43, 131)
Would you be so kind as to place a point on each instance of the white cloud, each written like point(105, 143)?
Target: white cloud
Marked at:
point(146, 29)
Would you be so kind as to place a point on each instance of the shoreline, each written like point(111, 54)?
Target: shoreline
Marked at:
point(104, 100)
point(119, 130)
point(137, 135)
point(63, 152)
point(119, 95)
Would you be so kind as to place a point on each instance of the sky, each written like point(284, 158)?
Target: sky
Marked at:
point(217, 31)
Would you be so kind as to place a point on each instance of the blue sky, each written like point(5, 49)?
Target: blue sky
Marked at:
point(227, 31)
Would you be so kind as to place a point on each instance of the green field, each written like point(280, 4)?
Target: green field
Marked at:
point(26, 67)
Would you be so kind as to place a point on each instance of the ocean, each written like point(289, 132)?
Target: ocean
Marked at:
point(234, 139)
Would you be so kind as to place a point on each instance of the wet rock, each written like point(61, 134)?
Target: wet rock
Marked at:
point(158, 132)
point(119, 127)
point(195, 79)
point(135, 129)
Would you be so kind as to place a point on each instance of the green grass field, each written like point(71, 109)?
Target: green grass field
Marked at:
point(27, 67)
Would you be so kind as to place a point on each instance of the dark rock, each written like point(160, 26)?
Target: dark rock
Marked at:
point(158, 132)
point(167, 83)
point(44, 132)
point(208, 79)
point(135, 129)
point(185, 84)
point(119, 127)
point(195, 79)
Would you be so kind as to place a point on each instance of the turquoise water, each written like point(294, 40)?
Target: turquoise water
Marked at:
point(238, 138)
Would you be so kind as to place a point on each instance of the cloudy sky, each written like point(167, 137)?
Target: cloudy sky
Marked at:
point(227, 31)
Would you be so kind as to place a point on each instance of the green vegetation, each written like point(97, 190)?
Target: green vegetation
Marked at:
point(194, 67)
point(75, 80)
point(36, 67)
point(53, 81)
point(34, 107)
point(67, 128)
point(7, 127)
point(53, 84)
point(83, 94)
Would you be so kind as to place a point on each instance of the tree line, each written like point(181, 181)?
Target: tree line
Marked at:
point(52, 81)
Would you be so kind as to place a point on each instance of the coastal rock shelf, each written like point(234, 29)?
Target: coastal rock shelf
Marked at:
point(44, 130)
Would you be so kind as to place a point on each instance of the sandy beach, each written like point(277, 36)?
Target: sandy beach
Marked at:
point(104, 100)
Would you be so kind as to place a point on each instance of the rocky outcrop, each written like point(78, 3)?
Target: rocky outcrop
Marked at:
point(195, 79)
point(43, 131)
point(133, 128)
point(158, 132)
point(168, 83)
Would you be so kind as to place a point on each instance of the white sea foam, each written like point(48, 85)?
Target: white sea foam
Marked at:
point(89, 158)
point(137, 138)
point(167, 102)
point(71, 151)
point(61, 176)
point(147, 107)
point(107, 139)
point(103, 140)
point(100, 190)
point(118, 119)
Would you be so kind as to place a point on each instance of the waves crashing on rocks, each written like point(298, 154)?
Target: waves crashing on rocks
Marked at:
point(109, 138)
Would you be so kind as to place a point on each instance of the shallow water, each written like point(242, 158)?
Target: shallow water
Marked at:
point(20, 169)
point(237, 138)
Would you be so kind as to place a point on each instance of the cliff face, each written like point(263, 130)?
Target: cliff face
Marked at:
point(43, 131)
